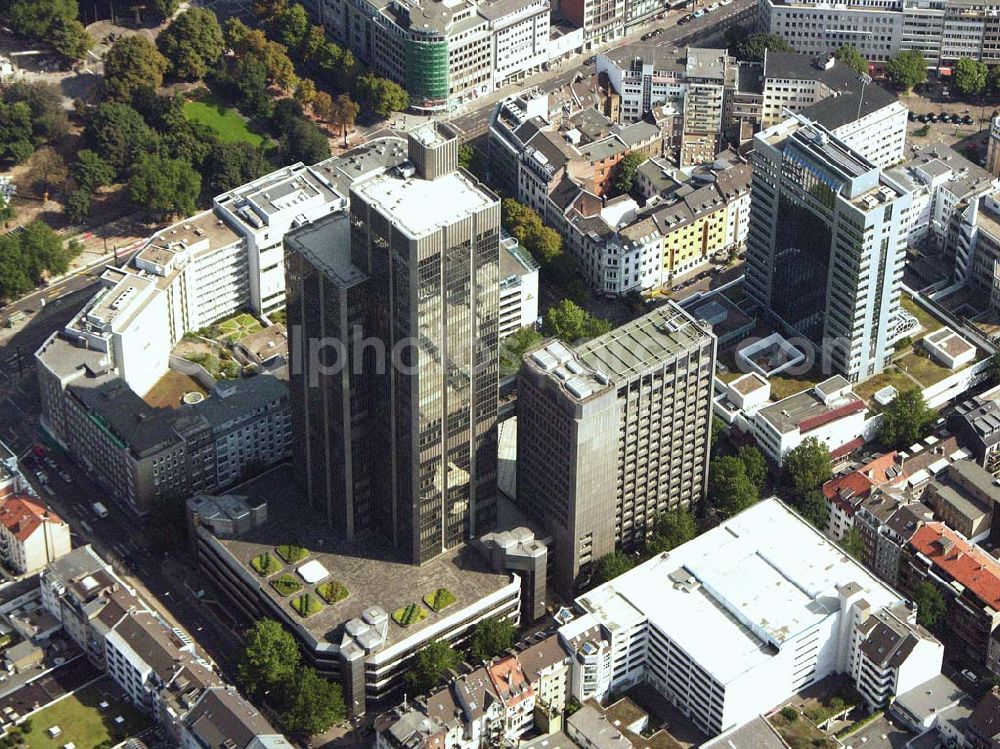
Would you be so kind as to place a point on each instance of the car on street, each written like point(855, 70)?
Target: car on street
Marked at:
point(911, 115)
point(698, 13)
point(970, 675)
point(712, 8)
point(684, 19)
point(967, 120)
point(725, 2)
point(647, 36)
point(65, 477)
point(590, 60)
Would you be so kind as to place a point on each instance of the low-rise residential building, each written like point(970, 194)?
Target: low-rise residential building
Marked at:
point(736, 626)
point(157, 666)
point(885, 523)
point(830, 411)
point(977, 423)
point(944, 185)
point(893, 655)
point(30, 536)
point(964, 497)
point(846, 493)
point(966, 576)
point(935, 710)
point(983, 728)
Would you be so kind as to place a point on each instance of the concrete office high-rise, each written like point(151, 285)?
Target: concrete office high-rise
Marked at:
point(402, 439)
point(826, 244)
point(612, 432)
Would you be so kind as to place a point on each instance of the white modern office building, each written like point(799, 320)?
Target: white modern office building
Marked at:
point(743, 617)
point(826, 246)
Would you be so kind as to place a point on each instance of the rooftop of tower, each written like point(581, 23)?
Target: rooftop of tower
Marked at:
point(418, 207)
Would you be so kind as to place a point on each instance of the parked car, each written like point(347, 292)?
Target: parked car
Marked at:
point(590, 60)
point(725, 2)
point(684, 19)
point(970, 675)
point(967, 120)
point(713, 7)
point(647, 36)
point(911, 116)
point(698, 13)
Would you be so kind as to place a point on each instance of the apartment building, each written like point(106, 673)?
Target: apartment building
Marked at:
point(709, 74)
point(443, 53)
point(588, 426)
point(736, 627)
point(30, 536)
point(141, 453)
point(967, 577)
point(885, 523)
point(945, 185)
point(892, 655)
point(501, 701)
point(157, 666)
point(975, 245)
point(644, 78)
point(846, 493)
point(964, 496)
point(518, 287)
point(977, 423)
point(826, 244)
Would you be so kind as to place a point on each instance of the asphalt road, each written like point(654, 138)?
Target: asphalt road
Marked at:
point(709, 27)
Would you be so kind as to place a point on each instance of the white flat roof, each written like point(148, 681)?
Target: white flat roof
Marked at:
point(313, 571)
point(419, 206)
point(758, 579)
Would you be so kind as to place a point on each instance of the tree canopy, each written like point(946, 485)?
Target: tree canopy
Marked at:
point(431, 664)
point(671, 529)
point(16, 133)
point(970, 77)
point(813, 507)
point(382, 96)
point(908, 69)
point(192, 43)
point(850, 56)
point(310, 704)
point(230, 165)
point(568, 321)
point(270, 657)
point(490, 638)
point(755, 464)
point(752, 47)
point(625, 172)
point(49, 121)
point(132, 62)
point(27, 256)
point(303, 141)
point(164, 186)
point(730, 490)
point(930, 604)
point(118, 134)
point(609, 567)
point(905, 420)
point(54, 21)
point(807, 466)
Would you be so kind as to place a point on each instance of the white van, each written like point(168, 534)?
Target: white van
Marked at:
point(100, 510)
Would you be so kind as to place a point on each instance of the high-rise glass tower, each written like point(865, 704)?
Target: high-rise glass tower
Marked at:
point(405, 443)
point(826, 245)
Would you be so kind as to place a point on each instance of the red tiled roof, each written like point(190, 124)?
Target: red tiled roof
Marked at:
point(508, 679)
point(966, 563)
point(21, 516)
point(846, 448)
point(861, 481)
point(814, 422)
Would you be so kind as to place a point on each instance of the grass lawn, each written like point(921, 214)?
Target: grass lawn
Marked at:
point(410, 614)
point(927, 320)
point(307, 605)
point(924, 369)
point(891, 376)
point(265, 564)
point(236, 327)
point(227, 123)
point(782, 387)
point(292, 553)
point(83, 723)
point(800, 733)
point(439, 599)
point(286, 584)
point(332, 591)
